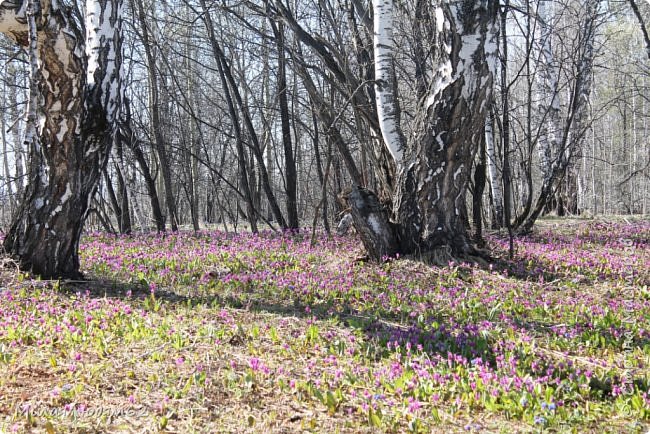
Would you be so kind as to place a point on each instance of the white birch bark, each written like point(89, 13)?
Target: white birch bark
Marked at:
point(448, 127)
point(102, 50)
point(6, 172)
point(385, 86)
point(17, 147)
point(74, 97)
point(549, 101)
point(36, 170)
point(493, 172)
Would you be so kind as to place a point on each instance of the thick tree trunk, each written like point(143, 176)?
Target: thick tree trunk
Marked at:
point(75, 93)
point(434, 165)
point(450, 125)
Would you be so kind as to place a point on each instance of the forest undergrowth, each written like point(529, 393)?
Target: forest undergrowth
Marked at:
point(219, 332)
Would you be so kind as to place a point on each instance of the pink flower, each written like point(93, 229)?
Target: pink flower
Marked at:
point(254, 364)
point(414, 404)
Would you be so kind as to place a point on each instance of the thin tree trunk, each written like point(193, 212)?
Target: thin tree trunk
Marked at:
point(319, 169)
point(329, 124)
point(5, 163)
point(388, 110)
point(241, 154)
point(495, 181)
point(290, 175)
point(255, 145)
point(477, 197)
point(505, 133)
point(562, 145)
point(156, 125)
point(123, 197)
point(112, 197)
point(127, 137)
point(15, 133)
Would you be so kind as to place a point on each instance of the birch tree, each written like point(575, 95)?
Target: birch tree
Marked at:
point(549, 100)
point(433, 164)
point(560, 139)
point(74, 99)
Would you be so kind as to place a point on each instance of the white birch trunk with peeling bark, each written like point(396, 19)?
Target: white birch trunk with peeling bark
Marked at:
point(385, 86)
point(434, 164)
point(74, 99)
point(549, 100)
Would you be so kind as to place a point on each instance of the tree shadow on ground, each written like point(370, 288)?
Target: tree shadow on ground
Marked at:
point(435, 336)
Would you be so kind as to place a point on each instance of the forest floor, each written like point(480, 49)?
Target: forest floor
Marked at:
point(217, 332)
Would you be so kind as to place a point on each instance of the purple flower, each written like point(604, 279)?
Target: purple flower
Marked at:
point(414, 404)
point(254, 364)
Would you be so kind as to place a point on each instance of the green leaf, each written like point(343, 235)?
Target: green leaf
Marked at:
point(549, 393)
point(332, 402)
point(312, 333)
point(374, 418)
